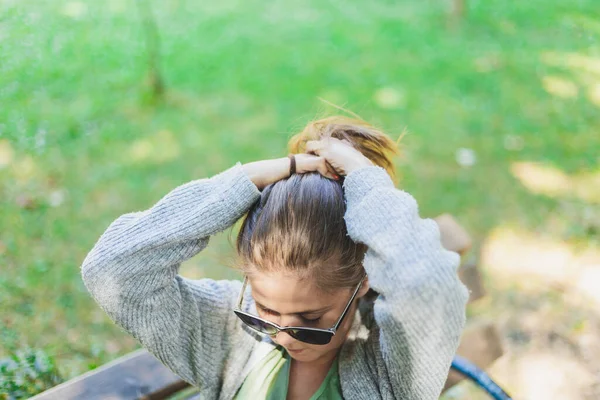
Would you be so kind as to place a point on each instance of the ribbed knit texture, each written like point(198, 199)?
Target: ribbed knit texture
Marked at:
point(400, 347)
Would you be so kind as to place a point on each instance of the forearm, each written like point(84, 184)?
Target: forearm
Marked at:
point(387, 220)
point(263, 173)
point(421, 307)
point(151, 243)
point(132, 273)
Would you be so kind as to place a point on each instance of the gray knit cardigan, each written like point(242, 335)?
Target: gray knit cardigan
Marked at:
point(401, 342)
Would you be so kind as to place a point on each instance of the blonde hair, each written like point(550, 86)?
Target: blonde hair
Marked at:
point(298, 224)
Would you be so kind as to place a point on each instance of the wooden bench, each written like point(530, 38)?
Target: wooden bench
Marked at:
point(139, 375)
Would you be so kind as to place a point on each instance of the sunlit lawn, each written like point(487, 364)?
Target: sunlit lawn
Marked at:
point(82, 142)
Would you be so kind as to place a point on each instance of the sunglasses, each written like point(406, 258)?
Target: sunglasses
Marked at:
point(303, 334)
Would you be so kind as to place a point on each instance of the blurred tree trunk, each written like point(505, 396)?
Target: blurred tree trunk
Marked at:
point(457, 12)
point(154, 78)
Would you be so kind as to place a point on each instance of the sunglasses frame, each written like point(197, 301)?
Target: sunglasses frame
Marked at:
point(331, 331)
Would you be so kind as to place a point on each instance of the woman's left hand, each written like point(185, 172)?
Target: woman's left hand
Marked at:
point(340, 154)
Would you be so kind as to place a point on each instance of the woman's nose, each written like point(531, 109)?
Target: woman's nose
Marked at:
point(284, 339)
point(287, 320)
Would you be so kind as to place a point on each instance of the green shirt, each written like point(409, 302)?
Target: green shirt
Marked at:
point(269, 380)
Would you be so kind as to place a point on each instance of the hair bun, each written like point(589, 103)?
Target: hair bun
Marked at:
point(370, 141)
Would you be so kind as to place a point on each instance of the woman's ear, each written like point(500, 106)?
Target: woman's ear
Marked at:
point(364, 288)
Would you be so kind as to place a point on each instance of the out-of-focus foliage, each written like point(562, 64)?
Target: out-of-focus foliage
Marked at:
point(27, 373)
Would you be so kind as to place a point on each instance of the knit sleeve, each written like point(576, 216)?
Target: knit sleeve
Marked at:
point(132, 273)
point(420, 310)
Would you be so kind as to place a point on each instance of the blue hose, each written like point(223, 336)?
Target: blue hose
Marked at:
point(477, 375)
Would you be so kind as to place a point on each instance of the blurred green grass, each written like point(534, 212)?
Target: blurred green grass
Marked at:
point(81, 144)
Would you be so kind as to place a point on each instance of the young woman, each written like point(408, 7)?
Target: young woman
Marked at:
point(348, 293)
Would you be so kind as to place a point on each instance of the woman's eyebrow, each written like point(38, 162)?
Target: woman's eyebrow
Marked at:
point(297, 312)
point(324, 309)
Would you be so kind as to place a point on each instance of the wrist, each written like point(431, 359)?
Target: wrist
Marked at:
point(263, 173)
point(361, 163)
point(277, 169)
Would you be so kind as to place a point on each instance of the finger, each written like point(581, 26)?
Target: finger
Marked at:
point(314, 146)
point(331, 169)
point(327, 171)
point(306, 162)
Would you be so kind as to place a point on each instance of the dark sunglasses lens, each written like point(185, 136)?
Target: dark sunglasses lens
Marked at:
point(311, 337)
point(257, 324)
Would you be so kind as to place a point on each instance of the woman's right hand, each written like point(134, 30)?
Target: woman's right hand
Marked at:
point(263, 173)
point(340, 155)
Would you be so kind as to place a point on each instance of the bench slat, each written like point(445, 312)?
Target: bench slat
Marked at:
point(138, 375)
